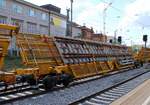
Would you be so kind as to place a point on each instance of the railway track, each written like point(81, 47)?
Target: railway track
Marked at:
point(14, 94)
point(108, 95)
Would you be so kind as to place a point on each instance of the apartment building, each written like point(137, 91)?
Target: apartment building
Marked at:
point(33, 18)
point(45, 19)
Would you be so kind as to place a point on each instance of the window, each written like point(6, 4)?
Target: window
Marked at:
point(17, 8)
point(2, 3)
point(44, 16)
point(20, 22)
point(43, 29)
point(31, 28)
point(31, 12)
point(3, 20)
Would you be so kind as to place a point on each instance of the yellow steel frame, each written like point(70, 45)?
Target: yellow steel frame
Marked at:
point(5, 40)
point(143, 55)
point(6, 31)
point(9, 27)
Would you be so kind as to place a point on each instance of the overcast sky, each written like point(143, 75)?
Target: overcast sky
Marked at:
point(130, 17)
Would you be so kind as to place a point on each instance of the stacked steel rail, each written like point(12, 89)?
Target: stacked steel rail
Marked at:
point(94, 56)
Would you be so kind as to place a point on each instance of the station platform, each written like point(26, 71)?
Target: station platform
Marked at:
point(138, 96)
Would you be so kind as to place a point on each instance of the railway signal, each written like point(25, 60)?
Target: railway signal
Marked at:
point(145, 39)
point(110, 41)
point(119, 39)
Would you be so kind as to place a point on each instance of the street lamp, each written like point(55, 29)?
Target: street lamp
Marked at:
point(104, 17)
point(116, 31)
point(71, 1)
point(115, 36)
point(68, 23)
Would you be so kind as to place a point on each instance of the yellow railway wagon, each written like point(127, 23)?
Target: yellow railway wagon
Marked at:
point(59, 60)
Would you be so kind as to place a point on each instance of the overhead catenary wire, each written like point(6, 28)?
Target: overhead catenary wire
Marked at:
point(119, 10)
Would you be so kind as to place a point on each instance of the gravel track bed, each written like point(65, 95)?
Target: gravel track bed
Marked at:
point(129, 86)
point(68, 95)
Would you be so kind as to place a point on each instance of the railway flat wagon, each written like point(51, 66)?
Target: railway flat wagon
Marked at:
point(59, 60)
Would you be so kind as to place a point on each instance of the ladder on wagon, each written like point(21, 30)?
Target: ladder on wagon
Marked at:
point(38, 51)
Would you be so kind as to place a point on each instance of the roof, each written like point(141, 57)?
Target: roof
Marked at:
point(39, 8)
point(51, 8)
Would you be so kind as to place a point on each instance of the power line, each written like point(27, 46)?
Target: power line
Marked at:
point(122, 12)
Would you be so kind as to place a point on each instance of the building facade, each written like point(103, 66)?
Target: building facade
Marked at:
point(45, 19)
point(32, 18)
point(89, 34)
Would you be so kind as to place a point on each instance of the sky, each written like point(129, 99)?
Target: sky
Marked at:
point(129, 18)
